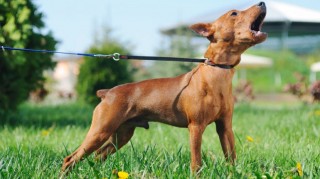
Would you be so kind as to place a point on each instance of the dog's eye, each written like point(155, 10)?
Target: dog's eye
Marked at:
point(234, 13)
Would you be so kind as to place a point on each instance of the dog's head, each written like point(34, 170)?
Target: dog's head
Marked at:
point(237, 30)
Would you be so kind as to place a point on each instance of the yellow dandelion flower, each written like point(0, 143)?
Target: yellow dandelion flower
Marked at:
point(45, 132)
point(317, 112)
point(299, 169)
point(123, 175)
point(249, 138)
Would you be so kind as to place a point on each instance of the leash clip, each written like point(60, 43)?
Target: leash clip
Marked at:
point(116, 56)
point(2, 47)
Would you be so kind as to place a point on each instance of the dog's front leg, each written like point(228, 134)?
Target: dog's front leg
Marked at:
point(196, 132)
point(225, 132)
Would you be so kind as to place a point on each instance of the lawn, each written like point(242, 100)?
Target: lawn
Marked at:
point(271, 142)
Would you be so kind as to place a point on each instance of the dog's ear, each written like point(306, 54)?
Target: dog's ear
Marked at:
point(204, 29)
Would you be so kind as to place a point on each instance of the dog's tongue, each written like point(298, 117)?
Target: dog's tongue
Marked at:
point(258, 33)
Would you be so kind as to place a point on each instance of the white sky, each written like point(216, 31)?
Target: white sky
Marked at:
point(138, 22)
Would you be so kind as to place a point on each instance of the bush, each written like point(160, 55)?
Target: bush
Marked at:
point(20, 72)
point(101, 73)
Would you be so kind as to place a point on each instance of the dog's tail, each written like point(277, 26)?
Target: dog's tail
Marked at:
point(102, 93)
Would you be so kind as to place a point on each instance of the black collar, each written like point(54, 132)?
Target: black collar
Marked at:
point(207, 62)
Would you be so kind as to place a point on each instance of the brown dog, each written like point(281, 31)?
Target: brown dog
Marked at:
point(192, 100)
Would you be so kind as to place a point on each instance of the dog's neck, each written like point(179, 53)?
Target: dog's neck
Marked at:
point(223, 54)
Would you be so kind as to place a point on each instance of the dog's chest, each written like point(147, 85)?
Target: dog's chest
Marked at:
point(212, 98)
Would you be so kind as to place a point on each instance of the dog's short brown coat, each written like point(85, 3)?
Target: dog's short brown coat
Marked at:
point(192, 100)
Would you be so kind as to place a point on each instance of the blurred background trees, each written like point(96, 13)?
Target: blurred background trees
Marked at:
point(102, 73)
point(180, 45)
point(22, 26)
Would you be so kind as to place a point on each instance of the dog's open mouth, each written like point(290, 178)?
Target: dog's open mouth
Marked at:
point(257, 24)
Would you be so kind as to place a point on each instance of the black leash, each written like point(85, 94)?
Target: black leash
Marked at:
point(199, 60)
point(117, 56)
point(57, 52)
point(134, 57)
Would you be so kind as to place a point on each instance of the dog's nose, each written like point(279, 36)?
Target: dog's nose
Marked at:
point(261, 4)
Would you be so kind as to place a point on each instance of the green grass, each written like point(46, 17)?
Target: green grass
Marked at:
point(34, 143)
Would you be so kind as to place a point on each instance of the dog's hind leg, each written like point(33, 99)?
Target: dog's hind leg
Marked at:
point(117, 140)
point(101, 129)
